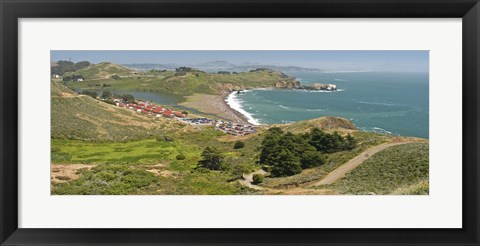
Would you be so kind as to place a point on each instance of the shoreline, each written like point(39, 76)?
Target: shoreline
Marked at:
point(215, 105)
point(239, 115)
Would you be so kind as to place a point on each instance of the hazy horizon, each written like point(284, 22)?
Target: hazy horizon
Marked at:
point(378, 61)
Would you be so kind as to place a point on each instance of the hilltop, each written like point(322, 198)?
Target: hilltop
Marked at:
point(104, 70)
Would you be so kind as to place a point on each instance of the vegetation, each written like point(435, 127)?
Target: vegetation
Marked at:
point(238, 145)
point(289, 153)
point(92, 120)
point(73, 78)
point(61, 67)
point(257, 179)
point(182, 81)
point(211, 159)
point(383, 173)
point(108, 180)
point(93, 94)
point(129, 153)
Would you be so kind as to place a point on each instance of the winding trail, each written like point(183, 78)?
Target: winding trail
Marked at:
point(340, 172)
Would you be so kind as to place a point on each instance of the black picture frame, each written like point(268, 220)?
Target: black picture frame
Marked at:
point(11, 11)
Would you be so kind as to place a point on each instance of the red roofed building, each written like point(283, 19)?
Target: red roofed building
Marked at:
point(157, 110)
point(145, 111)
point(149, 107)
point(141, 105)
point(168, 113)
point(180, 114)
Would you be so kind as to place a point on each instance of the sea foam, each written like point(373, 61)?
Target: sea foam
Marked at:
point(236, 104)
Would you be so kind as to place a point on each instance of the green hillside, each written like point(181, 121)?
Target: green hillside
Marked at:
point(173, 82)
point(84, 118)
point(102, 70)
point(404, 165)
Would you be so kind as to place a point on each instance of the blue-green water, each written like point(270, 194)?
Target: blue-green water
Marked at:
point(395, 103)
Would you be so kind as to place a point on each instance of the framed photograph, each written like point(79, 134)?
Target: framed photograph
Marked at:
point(233, 122)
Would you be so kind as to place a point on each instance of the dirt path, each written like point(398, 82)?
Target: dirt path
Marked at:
point(248, 179)
point(340, 172)
point(60, 173)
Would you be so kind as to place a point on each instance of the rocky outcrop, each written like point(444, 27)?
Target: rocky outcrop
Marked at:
point(294, 84)
point(318, 86)
point(287, 84)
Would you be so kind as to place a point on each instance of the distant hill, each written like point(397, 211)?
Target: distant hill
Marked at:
point(104, 70)
point(182, 81)
point(216, 66)
point(81, 117)
point(62, 67)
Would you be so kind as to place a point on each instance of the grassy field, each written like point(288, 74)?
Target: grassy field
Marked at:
point(404, 165)
point(147, 157)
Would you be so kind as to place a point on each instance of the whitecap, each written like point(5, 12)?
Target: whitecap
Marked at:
point(236, 105)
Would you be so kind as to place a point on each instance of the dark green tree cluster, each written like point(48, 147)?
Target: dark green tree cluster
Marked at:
point(184, 69)
point(62, 67)
point(329, 143)
point(212, 159)
point(74, 77)
point(223, 72)
point(287, 154)
point(90, 93)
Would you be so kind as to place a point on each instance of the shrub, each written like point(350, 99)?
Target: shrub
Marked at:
point(164, 139)
point(238, 145)
point(180, 157)
point(257, 178)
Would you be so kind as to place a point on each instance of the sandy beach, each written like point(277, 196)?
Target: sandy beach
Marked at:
point(214, 104)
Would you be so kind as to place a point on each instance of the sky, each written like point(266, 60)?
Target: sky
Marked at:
point(381, 61)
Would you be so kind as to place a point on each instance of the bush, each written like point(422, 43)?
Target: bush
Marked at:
point(257, 179)
point(164, 139)
point(238, 145)
point(180, 157)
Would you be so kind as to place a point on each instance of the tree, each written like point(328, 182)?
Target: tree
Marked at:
point(81, 64)
point(238, 145)
point(312, 158)
point(115, 77)
point(185, 112)
point(270, 146)
point(287, 164)
point(257, 178)
point(89, 93)
point(211, 159)
point(351, 142)
point(107, 94)
point(128, 98)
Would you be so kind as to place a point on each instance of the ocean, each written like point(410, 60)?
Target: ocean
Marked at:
point(393, 103)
